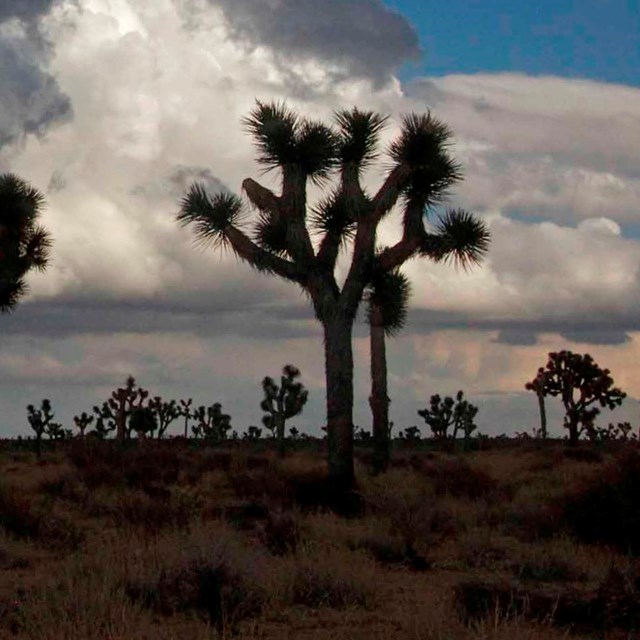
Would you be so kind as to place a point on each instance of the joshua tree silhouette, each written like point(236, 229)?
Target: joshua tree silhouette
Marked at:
point(282, 402)
point(420, 173)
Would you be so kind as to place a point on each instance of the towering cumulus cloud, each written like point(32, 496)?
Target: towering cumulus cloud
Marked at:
point(361, 37)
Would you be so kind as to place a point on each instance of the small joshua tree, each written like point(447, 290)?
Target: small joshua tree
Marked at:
point(105, 420)
point(41, 421)
point(410, 434)
point(165, 413)
point(446, 412)
point(143, 421)
point(212, 424)
point(252, 433)
point(122, 402)
point(83, 421)
point(583, 388)
point(283, 402)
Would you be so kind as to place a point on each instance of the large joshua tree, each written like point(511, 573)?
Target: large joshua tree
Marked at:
point(24, 244)
point(279, 241)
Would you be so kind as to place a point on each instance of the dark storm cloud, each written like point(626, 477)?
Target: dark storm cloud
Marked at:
point(598, 330)
point(596, 336)
point(24, 9)
point(254, 315)
point(516, 337)
point(365, 36)
point(31, 100)
point(224, 315)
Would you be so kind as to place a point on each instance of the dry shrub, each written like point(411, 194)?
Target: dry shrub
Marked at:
point(137, 509)
point(410, 506)
point(582, 454)
point(151, 514)
point(206, 571)
point(615, 603)
point(456, 477)
point(30, 519)
point(64, 485)
point(281, 532)
point(258, 483)
point(604, 509)
point(210, 460)
point(151, 464)
point(331, 577)
point(265, 480)
point(554, 561)
point(17, 515)
point(105, 463)
point(83, 602)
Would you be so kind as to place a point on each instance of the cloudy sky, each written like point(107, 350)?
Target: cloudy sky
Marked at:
point(113, 107)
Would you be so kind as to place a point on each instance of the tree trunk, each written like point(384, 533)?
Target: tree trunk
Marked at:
point(121, 423)
point(339, 377)
point(379, 399)
point(280, 435)
point(572, 425)
point(543, 416)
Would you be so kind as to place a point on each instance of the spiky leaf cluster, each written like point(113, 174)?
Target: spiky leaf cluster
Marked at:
point(282, 139)
point(460, 238)
point(388, 295)
point(24, 244)
point(209, 216)
point(334, 215)
point(358, 136)
point(423, 146)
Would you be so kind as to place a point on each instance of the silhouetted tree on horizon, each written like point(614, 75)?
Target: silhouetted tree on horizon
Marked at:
point(583, 388)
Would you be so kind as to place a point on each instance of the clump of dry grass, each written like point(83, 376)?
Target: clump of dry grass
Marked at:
point(412, 510)
point(29, 517)
point(327, 576)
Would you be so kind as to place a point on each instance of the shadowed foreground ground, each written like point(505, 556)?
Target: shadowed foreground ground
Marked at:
point(520, 541)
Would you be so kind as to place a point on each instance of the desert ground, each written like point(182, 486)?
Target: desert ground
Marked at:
point(517, 540)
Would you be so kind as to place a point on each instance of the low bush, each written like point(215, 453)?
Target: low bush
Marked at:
point(457, 478)
point(332, 578)
point(604, 510)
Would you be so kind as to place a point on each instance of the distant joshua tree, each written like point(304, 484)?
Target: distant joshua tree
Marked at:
point(165, 412)
point(83, 421)
point(279, 241)
point(583, 388)
point(282, 402)
point(211, 423)
point(41, 421)
point(449, 412)
point(24, 244)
